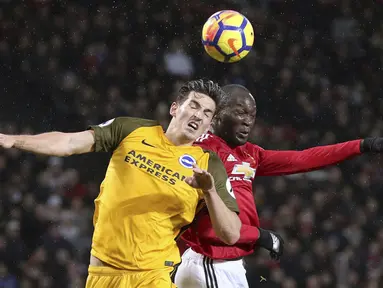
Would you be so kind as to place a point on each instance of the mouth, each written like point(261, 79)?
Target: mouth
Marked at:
point(193, 125)
point(243, 133)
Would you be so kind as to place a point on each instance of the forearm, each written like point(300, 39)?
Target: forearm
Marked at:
point(55, 143)
point(226, 223)
point(248, 234)
point(290, 162)
point(51, 143)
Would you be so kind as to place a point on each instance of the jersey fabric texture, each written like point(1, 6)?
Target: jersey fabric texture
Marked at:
point(144, 202)
point(243, 164)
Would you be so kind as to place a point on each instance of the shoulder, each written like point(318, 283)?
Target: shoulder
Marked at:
point(250, 147)
point(108, 135)
point(124, 125)
point(207, 141)
point(204, 138)
point(135, 123)
point(215, 161)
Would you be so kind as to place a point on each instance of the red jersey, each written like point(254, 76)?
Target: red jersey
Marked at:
point(242, 164)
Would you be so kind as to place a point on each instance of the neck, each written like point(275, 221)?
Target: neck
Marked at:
point(174, 136)
point(225, 138)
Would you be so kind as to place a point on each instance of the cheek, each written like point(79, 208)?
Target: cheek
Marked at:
point(229, 123)
point(182, 113)
point(206, 124)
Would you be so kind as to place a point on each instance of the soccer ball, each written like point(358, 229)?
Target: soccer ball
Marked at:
point(227, 36)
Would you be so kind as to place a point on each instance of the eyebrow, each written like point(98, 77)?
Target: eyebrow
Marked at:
point(199, 105)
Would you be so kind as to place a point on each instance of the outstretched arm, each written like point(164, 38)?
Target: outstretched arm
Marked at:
point(51, 143)
point(290, 162)
point(104, 137)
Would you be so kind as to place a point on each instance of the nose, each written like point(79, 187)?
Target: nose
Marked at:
point(248, 120)
point(198, 114)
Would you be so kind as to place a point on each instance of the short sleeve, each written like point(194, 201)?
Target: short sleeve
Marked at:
point(109, 135)
point(222, 183)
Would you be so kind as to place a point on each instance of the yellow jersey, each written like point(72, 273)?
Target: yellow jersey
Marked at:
point(144, 201)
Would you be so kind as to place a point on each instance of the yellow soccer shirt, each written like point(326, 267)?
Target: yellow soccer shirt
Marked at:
point(144, 201)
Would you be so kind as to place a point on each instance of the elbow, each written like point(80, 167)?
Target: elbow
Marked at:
point(61, 145)
point(68, 150)
point(66, 154)
point(63, 151)
point(232, 235)
point(230, 238)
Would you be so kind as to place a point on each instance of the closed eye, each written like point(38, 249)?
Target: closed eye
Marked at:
point(194, 105)
point(208, 113)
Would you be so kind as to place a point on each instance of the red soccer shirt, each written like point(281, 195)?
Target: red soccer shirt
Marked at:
point(242, 164)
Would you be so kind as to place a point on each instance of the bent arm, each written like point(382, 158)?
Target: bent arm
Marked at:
point(225, 222)
point(56, 143)
point(248, 233)
point(222, 205)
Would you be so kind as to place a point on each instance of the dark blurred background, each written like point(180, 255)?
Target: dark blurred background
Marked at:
point(316, 72)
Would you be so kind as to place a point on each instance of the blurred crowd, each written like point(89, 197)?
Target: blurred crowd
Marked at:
point(315, 70)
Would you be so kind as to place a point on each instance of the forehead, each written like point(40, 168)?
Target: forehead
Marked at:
point(244, 100)
point(204, 100)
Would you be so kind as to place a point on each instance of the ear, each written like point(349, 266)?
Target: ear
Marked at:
point(173, 109)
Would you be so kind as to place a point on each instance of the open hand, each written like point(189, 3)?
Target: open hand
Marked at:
point(6, 141)
point(201, 179)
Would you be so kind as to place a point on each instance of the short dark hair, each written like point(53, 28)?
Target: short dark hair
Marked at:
point(234, 91)
point(232, 87)
point(203, 86)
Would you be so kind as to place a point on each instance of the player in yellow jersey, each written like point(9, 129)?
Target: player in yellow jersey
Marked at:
point(154, 184)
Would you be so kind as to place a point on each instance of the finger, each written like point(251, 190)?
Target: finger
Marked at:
point(189, 180)
point(195, 166)
point(197, 170)
point(274, 256)
point(204, 172)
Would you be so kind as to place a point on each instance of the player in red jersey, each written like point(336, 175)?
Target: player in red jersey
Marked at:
point(210, 263)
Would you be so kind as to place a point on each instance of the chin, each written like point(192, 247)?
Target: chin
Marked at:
point(240, 141)
point(192, 136)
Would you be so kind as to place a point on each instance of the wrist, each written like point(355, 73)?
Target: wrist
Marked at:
point(209, 192)
point(361, 146)
point(371, 144)
point(17, 141)
point(264, 239)
point(365, 145)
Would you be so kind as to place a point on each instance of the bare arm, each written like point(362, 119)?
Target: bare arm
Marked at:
point(226, 223)
point(51, 143)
